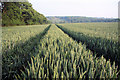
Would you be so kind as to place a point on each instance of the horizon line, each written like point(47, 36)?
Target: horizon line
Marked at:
point(76, 16)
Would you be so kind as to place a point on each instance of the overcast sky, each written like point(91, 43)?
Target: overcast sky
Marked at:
point(88, 8)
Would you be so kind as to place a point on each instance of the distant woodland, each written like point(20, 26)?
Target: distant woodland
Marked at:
point(78, 19)
point(21, 13)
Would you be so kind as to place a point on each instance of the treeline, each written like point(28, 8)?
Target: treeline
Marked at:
point(78, 19)
point(21, 13)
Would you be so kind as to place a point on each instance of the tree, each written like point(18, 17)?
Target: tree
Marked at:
point(20, 13)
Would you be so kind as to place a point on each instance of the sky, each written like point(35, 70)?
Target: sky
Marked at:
point(88, 8)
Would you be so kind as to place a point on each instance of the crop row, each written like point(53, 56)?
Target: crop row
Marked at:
point(18, 47)
point(59, 56)
point(12, 36)
point(107, 30)
point(108, 48)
